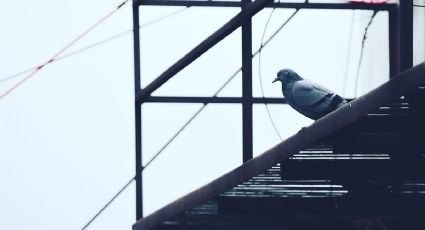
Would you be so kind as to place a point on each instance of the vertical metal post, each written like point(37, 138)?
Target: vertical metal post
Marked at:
point(247, 87)
point(138, 112)
point(394, 48)
point(406, 34)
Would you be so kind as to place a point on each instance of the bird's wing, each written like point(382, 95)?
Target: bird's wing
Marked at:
point(308, 94)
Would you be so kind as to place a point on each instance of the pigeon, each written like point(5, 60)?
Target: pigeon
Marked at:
point(308, 98)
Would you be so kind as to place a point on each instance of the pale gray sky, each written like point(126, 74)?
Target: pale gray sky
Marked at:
point(67, 135)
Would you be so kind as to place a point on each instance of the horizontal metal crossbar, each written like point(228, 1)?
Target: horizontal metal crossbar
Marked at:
point(207, 100)
point(248, 12)
point(293, 5)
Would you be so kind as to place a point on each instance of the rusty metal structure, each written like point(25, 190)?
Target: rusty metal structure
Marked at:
point(358, 166)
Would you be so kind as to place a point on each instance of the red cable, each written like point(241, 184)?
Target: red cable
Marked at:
point(63, 50)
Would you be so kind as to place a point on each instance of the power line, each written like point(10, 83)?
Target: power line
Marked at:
point(131, 180)
point(361, 52)
point(5, 79)
point(160, 151)
point(418, 5)
point(165, 17)
point(259, 65)
point(190, 120)
point(109, 202)
point(347, 60)
point(63, 49)
point(104, 41)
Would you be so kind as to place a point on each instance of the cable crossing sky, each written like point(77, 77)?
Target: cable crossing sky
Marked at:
point(52, 59)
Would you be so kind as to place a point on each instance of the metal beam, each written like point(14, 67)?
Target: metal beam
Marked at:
point(138, 112)
point(406, 34)
point(218, 100)
point(355, 110)
point(190, 3)
point(247, 136)
point(205, 45)
point(293, 5)
point(393, 38)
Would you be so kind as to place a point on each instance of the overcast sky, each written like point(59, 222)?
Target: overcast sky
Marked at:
point(67, 134)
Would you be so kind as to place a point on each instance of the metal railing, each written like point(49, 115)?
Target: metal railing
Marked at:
point(243, 20)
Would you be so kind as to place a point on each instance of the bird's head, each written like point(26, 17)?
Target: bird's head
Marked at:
point(287, 75)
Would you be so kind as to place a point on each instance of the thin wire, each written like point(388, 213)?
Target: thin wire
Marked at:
point(259, 66)
point(361, 52)
point(109, 202)
point(153, 21)
point(109, 39)
point(274, 34)
point(69, 55)
point(347, 61)
point(63, 49)
point(131, 180)
point(260, 76)
point(418, 5)
point(190, 120)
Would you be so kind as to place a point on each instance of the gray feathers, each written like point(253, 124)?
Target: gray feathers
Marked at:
point(308, 98)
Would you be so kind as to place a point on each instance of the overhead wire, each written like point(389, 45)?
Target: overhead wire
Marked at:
point(161, 149)
point(104, 41)
point(5, 79)
point(190, 120)
point(347, 60)
point(259, 65)
point(50, 60)
point(184, 126)
point(108, 203)
point(356, 84)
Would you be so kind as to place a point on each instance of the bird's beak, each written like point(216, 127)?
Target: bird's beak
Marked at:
point(275, 80)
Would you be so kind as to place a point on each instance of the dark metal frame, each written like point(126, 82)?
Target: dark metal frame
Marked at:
point(243, 20)
point(357, 109)
point(406, 34)
point(138, 112)
point(327, 6)
point(247, 139)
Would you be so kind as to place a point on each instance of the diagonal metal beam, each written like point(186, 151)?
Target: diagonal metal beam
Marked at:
point(355, 110)
point(205, 45)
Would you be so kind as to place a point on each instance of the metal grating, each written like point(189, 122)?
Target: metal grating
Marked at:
point(270, 184)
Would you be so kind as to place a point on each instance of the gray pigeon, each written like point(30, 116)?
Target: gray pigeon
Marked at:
point(308, 98)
